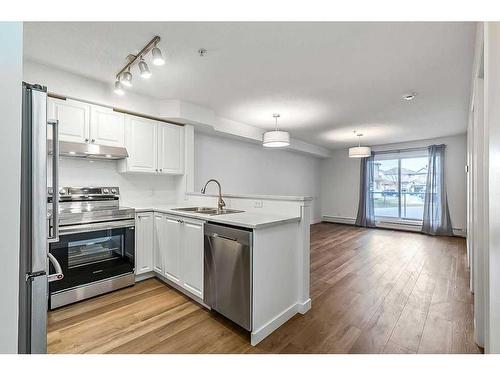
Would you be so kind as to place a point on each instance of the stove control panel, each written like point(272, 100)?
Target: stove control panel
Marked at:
point(94, 193)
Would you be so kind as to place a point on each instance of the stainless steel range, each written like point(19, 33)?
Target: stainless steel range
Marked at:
point(96, 248)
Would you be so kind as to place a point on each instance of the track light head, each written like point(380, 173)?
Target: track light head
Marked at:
point(143, 67)
point(157, 57)
point(119, 88)
point(124, 76)
point(126, 79)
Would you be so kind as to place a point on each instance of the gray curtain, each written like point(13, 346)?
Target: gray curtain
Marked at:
point(366, 212)
point(436, 218)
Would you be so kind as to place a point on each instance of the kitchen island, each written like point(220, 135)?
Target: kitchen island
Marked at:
point(170, 246)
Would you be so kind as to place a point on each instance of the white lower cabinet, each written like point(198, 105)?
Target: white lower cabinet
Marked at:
point(192, 257)
point(178, 251)
point(144, 227)
point(159, 240)
point(172, 249)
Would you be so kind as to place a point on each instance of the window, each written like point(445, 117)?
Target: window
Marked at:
point(399, 185)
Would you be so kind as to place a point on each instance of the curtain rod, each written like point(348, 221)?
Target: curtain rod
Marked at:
point(401, 150)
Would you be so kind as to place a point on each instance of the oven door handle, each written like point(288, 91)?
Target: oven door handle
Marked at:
point(59, 275)
point(82, 228)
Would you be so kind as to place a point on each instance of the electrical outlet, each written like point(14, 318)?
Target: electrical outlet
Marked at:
point(258, 204)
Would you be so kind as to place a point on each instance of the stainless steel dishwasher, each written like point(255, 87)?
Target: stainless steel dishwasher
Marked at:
point(228, 272)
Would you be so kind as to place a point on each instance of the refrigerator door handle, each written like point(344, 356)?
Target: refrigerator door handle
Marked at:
point(54, 234)
point(59, 273)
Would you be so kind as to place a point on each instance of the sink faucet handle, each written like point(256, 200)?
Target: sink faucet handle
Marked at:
point(222, 204)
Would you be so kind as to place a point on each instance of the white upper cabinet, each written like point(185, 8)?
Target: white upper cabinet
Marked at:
point(84, 123)
point(140, 141)
point(144, 242)
point(192, 257)
point(153, 147)
point(73, 117)
point(170, 148)
point(107, 127)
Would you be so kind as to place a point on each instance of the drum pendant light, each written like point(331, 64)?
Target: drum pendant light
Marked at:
point(359, 151)
point(276, 138)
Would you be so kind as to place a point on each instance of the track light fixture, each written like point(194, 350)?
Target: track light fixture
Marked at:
point(143, 67)
point(119, 88)
point(157, 57)
point(124, 76)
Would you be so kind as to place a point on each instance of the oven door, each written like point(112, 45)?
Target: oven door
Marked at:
point(92, 252)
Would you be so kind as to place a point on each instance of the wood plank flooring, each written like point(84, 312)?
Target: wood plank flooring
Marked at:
point(372, 290)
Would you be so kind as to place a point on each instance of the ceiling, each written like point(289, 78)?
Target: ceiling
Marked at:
point(325, 79)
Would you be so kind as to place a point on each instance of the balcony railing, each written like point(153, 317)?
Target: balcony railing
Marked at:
point(386, 204)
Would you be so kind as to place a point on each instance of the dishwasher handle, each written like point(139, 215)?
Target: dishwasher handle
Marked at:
point(216, 235)
point(242, 236)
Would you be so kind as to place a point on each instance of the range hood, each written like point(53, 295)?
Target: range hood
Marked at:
point(89, 151)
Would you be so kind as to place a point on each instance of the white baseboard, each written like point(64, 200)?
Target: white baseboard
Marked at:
point(408, 226)
point(339, 219)
point(271, 326)
point(144, 276)
point(149, 275)
point(316, 220)
point(304, 307)
point(182, 290)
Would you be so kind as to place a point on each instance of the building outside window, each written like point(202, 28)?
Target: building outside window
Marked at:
point(399, 185)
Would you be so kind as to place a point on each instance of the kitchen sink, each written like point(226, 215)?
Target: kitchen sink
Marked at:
point(207, 210)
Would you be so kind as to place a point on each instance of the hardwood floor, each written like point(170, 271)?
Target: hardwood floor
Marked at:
point(373, 291)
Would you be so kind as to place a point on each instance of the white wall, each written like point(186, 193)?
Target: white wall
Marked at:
point(11, 44)
point(74, 86)
point(492, 119)
point(247, 168)
point(340, 179)
point(135, 189)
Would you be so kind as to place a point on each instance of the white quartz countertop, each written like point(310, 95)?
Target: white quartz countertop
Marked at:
point(251, 220)
point(257, 196)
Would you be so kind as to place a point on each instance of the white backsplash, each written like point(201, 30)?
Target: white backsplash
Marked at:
point(135, 189)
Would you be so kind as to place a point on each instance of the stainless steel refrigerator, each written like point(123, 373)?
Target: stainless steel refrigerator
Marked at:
point(39, 225)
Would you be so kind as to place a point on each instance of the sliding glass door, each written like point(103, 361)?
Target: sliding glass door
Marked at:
point(399, 186)
point(386, 188)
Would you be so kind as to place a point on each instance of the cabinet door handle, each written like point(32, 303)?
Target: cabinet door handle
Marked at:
point(161, 169)
point(86, 140)
point(93, 140)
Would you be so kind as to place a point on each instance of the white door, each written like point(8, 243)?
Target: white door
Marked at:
point(141, 143)
point(159, 243)
point(170, 148)
point(144, 243)
point(192, 257)
point(73, 117)
point(107, 127)
point(173, 231)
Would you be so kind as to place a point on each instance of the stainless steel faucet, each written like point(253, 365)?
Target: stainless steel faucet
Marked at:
point(221, 204)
